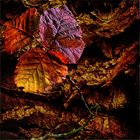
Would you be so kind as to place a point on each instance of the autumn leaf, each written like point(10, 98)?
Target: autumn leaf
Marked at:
point(105, 25)
point(48, 117)
point(97, 91)
point(38, 72)
point(106, 49)
point(19, 33)
point(60, 31)
point(32, 3)
point(106, 126)
point(115, 99)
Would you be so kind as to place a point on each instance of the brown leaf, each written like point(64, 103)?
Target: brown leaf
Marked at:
point(37, 72)
point(108, 24)
point(107, 127)
point(128, 57)
point(103, 72)
point(31, 132)
point(32, 3)
point(17, 113)
point(16, 107)
point(115, 99)
point(106, 49)
point(49, 118)
point(8, 135)
point(55, 121)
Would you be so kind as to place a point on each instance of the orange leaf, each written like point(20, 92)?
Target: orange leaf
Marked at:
point(37, 72)
point(20, 32)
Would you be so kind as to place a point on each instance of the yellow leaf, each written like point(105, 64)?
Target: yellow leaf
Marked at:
point(38, 72)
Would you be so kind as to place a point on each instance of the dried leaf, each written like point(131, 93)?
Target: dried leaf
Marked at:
point(107, 127)
point(23, 111)
point(114, 100)
point(27, 105)
point(51, 119)
point(32, 3)
point(31, 132)
point(57, 3)
point(17, 113)
point(106, 25)
point(8, 135)
point(37, 72)
point(106, 49)
point(20, 32)
point(60, 31)
point(103, 72)
point(128, 57)
point(42, 68)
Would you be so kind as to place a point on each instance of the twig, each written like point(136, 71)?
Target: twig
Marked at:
point(82, 97)
point(73, 131)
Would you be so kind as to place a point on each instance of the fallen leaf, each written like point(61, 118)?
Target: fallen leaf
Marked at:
point(106, 49)
point(106, 126)
point(38, 72)
point(60, 31)
point(32, 3)
point(20, 32)
point(115, 99)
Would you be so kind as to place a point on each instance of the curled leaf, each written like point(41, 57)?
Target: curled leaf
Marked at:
point(60, 31)
point(20, 32)
point(106, 49)
point(32, 3)
point(38, 72)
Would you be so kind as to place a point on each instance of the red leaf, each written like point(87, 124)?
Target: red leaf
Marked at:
point(20, 32)
point(60, 31)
